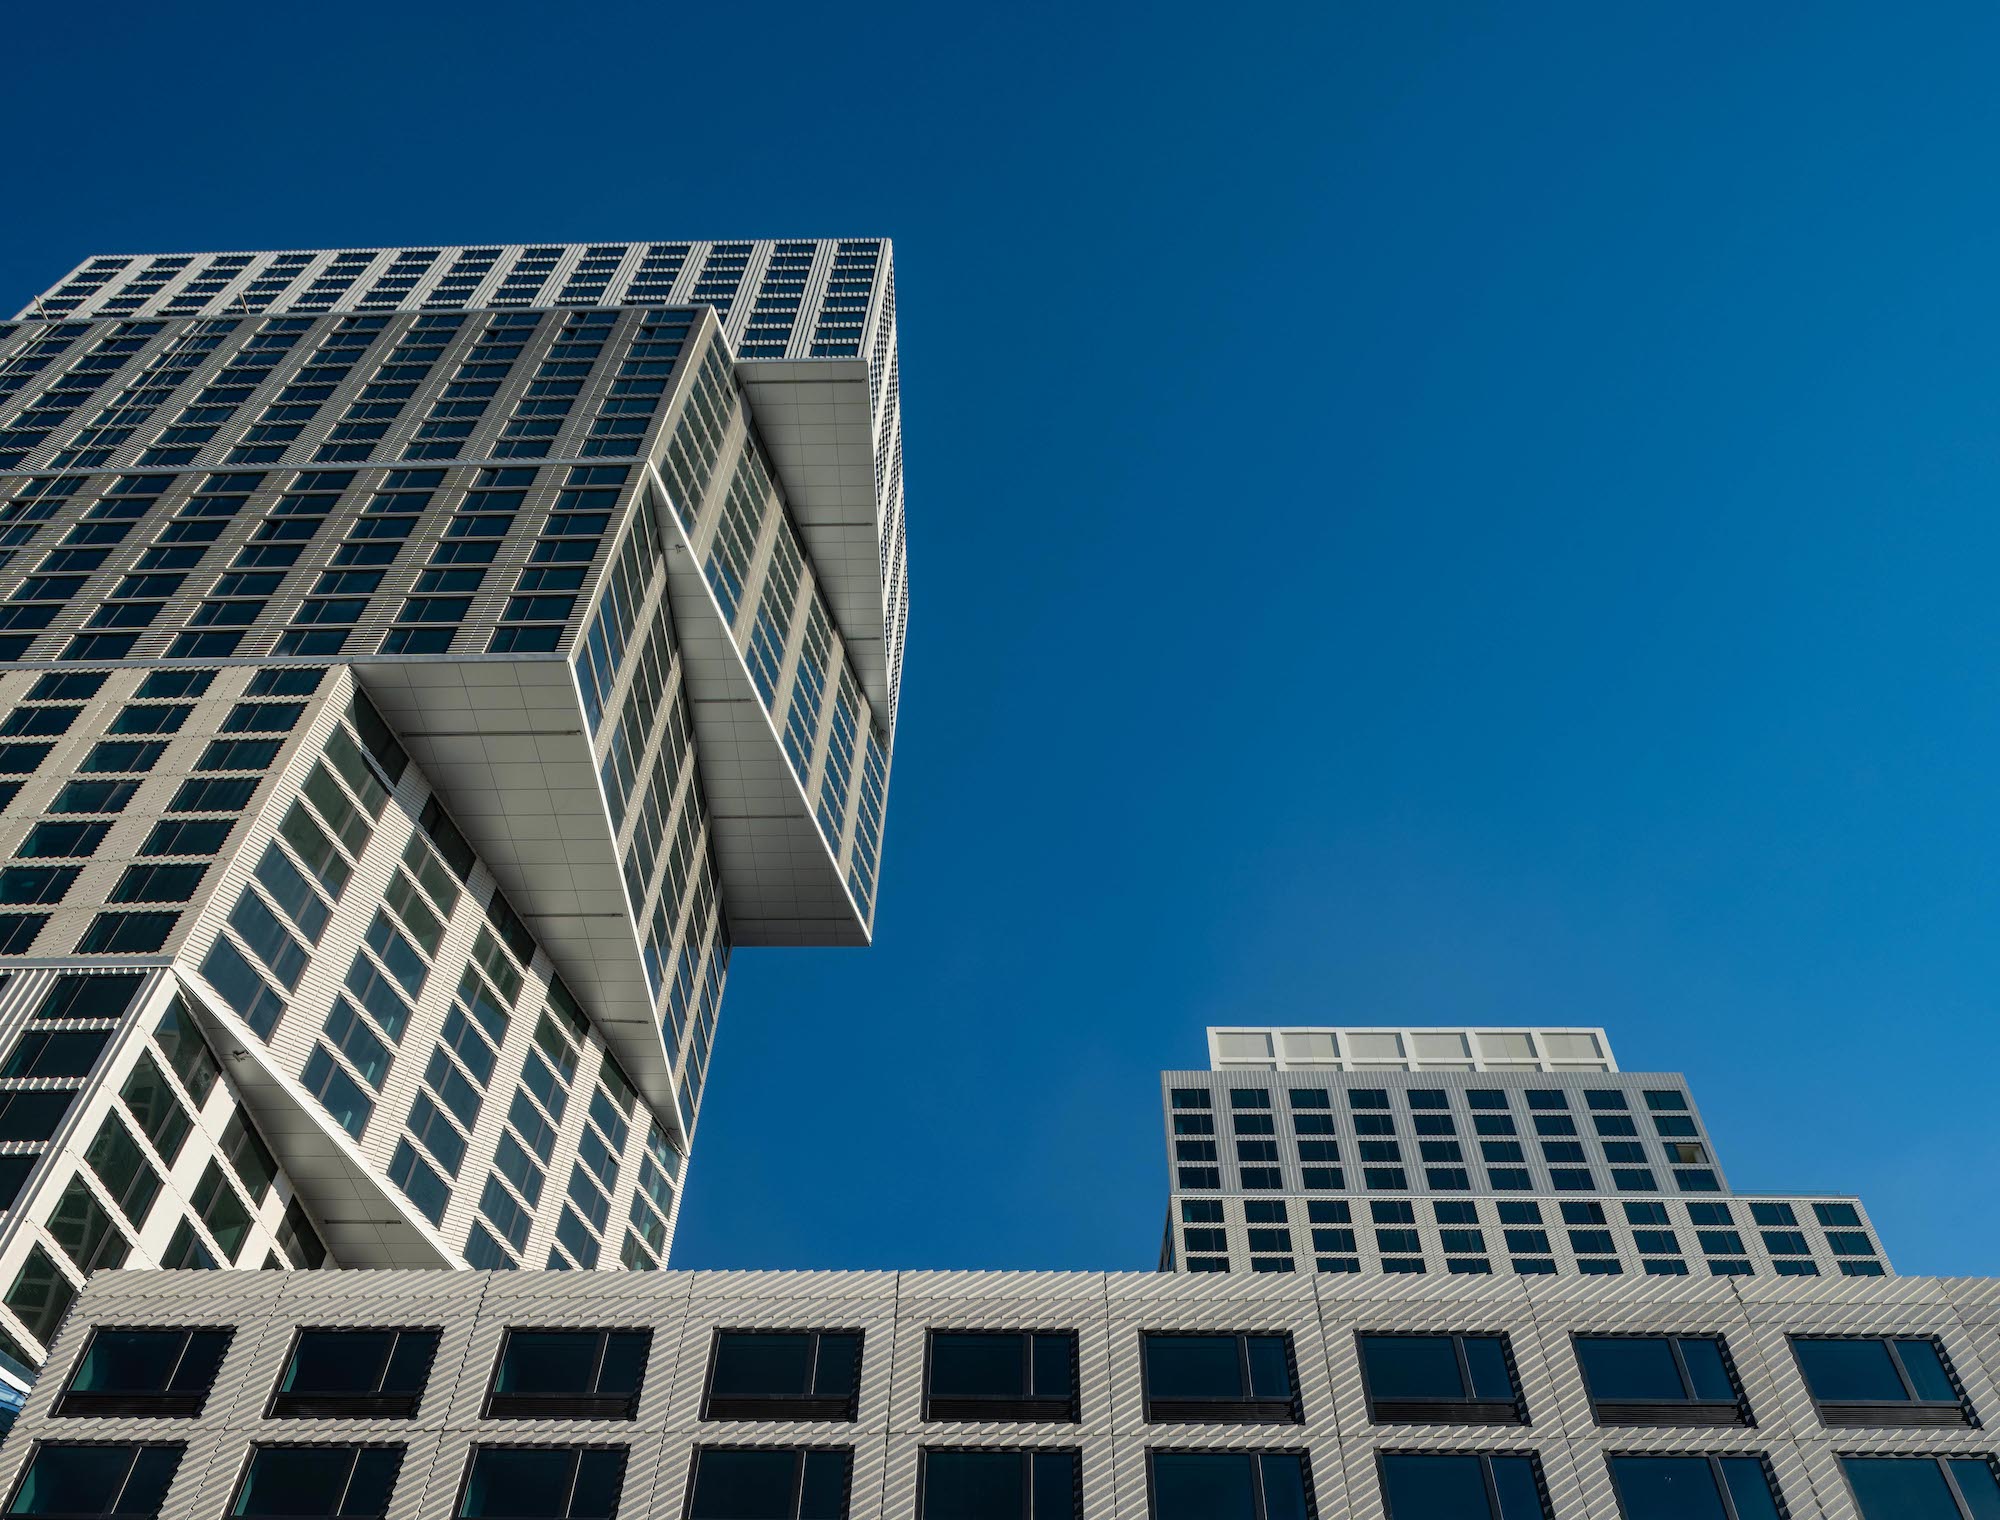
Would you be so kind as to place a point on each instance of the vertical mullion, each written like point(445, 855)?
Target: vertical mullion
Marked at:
point(575, 1470)
point(1957, 1493)
point(353, 1461)
point(1681, 1367)
point(126, 1482)
point(812, 1367)
point(1243, 1370)
point(1896, 1360)
point(1722, 1487)
point(1492, 1488)
point(597, 1365)
point(1027, 1485)
point(1257, 1497)
point(1464, 1367)
point(798, 1483)
point(1028, 1364)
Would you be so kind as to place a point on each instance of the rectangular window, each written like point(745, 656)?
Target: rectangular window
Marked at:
point(569, 1374)
point(1021, 1485)
point(317, 1483)
point(543, 1483)
point(1001, 1375)
point(784, 1375)
point(1219, 1379)
point(355, 1374)
point(1440, 1379)
point(1923, 1488)
point(770, 1482)
point(76, 1480)
point(1870, 1380)
point(144, 1373)
point(1693, 1488)
point(1660, 1380)
point(1424, 1485)
point(1238, 1485)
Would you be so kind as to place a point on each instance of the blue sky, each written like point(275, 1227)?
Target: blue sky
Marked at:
point(1418, 513)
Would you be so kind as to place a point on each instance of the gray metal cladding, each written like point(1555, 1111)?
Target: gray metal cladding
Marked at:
point(894, 1312)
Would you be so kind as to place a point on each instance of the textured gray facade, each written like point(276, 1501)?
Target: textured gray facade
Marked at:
point(1344, 1437)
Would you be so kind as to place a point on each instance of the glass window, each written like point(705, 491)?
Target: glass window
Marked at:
point(1229, 1485)
point(1001, 1375)
point(768, 1483)
point(784, 1375)
point(1219, 1378)
point(144, 1372)
point(72, 1480)
point(1863, 1380)
point(999, 1485)
point(1456, 1379)
point(1693, 1488)
point(576, 1374)
point(1923, 1488)
point(543, 1483)
point(1427, 1486)
point(1631, 1376)
point(355, 1373)
point(308, 1482)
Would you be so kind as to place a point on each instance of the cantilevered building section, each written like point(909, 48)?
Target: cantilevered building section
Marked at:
point(419, 669)
point(1469, 1152)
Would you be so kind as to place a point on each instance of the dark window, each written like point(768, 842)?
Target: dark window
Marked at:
point(1430, 1486)
point(56, 1053)
point(999, 1485)
point(303, 1482)
point(144, 1372)
point(82, 996)
point(784, 1375)
point(1660, 1380)
point(769, 1483)
point(993, 1375)
point(1693, 1488)
point(1219, 1379)
point(71, 1481)
point(1229, 1485)
point(543, 1483)
point(355, 1373)
point(1863, 1380)
point(569, 1374)
point(1923, 1488)
point(1440, 1379)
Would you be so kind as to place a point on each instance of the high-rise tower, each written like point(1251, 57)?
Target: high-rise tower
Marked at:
point(419, 669)
point(1468, 1152)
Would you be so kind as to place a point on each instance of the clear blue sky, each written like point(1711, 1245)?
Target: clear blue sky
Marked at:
point(1418, 513)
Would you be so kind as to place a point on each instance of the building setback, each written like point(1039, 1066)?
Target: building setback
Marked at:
point(958, 1396)
point(420, 670)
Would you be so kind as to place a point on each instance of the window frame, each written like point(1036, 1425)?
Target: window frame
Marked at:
point(801, 1407)
point(1714, 1460)
point(1429, 1410)
point(359, 1406)
point(1028, 1454)
point(1485, 1460)
point(401, 1449)
point(623, 1449)
point(1026, 1408)
point(798, 1453)
point(1244, 1410)
point(1941, 1460)
point(73, 1405)
point(570, 1406)
point(135, 1447)
point(1258, 1499)
point(1687, 1412)
point(1848, 1414)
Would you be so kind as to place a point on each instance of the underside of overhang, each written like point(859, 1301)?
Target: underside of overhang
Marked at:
point(363, 1221)
point(817, 425)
